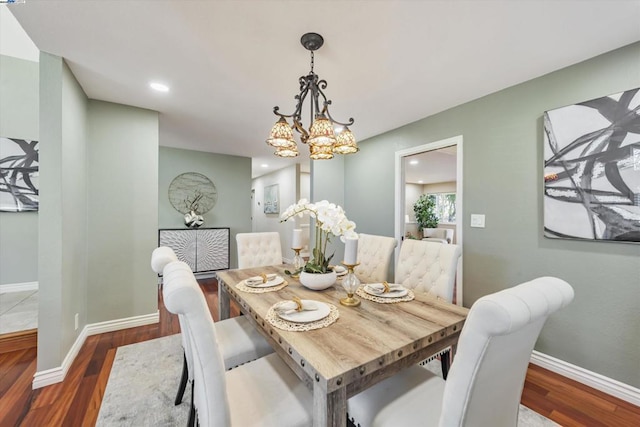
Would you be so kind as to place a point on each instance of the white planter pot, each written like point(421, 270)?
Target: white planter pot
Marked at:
point(317, 282)
point(428, 232)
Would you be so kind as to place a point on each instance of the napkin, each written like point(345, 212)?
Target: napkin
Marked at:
point(296, 305)
point(259, 280)
point(379, 288)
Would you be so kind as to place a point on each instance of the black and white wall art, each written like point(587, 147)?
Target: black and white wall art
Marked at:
point(18, 175)
point(592, 169)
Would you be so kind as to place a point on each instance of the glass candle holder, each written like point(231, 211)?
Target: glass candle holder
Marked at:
point(298, 262)
point(350, 283)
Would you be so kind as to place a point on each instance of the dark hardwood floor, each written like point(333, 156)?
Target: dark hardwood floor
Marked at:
point(76, 401)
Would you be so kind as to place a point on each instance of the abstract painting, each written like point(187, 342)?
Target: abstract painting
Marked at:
point(271, 203)
point(592, 169)
point(18, 175)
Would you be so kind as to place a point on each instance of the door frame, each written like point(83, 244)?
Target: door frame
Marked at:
point(400, 196)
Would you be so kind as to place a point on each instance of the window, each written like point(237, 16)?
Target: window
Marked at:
point(445, 207)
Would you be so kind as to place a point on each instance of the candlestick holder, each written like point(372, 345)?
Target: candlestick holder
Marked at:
point(350, 283)
point(298, 262)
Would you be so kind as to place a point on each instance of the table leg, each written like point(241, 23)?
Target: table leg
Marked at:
point(224, 303)
point(329, 410)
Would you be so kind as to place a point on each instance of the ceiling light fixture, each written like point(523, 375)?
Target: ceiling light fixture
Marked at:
point(159, 87)
point(323, 137)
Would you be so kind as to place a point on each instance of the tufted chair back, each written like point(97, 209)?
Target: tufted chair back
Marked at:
point(374, 256)
point(160, 257)
point(258, 249)
point(183, 296)
point(494, 351)
point(174, 271)
point(428, 267)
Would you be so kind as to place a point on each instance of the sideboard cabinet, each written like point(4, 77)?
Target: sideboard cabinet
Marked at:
point(203, 249)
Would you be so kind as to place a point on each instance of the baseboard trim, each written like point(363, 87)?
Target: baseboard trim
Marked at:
point(592, 379)
point(126, 323)
point(56, 375)
point(19, 287)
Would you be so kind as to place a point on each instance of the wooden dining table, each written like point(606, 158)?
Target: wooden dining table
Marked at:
point(365, 345)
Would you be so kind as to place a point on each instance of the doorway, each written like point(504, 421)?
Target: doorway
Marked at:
point(427, 169)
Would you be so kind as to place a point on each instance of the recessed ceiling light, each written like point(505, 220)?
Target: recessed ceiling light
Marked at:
point(413, 162)
point(420, 182)
point(159, 87)
point(264, 165)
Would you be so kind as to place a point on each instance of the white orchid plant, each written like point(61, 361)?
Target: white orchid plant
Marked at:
point(330, 220)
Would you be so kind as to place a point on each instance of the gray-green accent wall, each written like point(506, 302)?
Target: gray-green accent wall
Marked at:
point(62, 216)
point(502, 169)
point(19, 93)
point(98, 211)
point(232, 178)
point(122, 211)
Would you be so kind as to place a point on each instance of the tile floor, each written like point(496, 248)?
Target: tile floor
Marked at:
point(18, 311)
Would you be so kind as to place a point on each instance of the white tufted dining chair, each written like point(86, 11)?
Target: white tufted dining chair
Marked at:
point(260, 393)
point(491, 364)
point(429, 267)
point(258, 249)
point(374, 256)
point(240, 341)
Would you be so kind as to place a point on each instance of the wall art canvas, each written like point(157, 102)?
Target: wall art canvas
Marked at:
point(18, 175)
point(592, 169)
point(271, 199)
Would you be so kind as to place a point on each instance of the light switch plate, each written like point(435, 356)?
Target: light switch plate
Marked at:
point(477, 220)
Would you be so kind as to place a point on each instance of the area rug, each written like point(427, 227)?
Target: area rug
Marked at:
point(144, 380)
point(142, 386)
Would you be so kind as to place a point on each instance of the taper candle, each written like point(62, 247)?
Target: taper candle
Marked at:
point(351, 251)
point(296, 241)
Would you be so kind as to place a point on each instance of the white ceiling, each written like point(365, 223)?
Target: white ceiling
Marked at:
point(387, 63)
point(431, 167)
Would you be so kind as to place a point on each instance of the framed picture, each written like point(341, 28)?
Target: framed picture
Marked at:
point(592, 169)
point(18, 175)
point(271, 199)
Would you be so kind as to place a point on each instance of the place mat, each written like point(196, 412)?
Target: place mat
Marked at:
point(278, 322)
point(382, 300)
point(253, 290)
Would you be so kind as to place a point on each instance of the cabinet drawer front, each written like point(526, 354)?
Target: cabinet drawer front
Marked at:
point(213, 249)
point(183, 243)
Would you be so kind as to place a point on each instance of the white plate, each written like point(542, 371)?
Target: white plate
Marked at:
point(393, 294)
point(275, 282)
point(307, 315)
point(340, 271)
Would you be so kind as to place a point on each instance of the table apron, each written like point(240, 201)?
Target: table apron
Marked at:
point(356, 386)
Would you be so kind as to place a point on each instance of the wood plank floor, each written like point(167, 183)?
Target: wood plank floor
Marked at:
point(76, 401)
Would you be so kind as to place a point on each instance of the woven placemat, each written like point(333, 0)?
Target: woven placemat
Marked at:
point(364, 294)
point(278, 322)
point(253, 290)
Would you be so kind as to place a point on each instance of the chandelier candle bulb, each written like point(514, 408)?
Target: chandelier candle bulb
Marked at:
point(296, 241)
point(351, 251)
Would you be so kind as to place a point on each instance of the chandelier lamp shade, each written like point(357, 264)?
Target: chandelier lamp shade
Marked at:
point(325, 136)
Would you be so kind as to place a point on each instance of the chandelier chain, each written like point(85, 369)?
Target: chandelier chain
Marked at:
point(312, 61)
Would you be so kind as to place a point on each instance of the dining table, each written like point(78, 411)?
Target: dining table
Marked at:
point(365, 345)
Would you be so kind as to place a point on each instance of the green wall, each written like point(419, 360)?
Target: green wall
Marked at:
point(502, 168)
point(62, 217)
point(98, 215)
point(122, 210)
point(18, 119)
point(232, 178)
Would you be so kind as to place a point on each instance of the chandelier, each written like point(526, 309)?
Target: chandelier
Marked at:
point(325, 136)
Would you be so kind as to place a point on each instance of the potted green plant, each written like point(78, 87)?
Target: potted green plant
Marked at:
point(425, 211)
